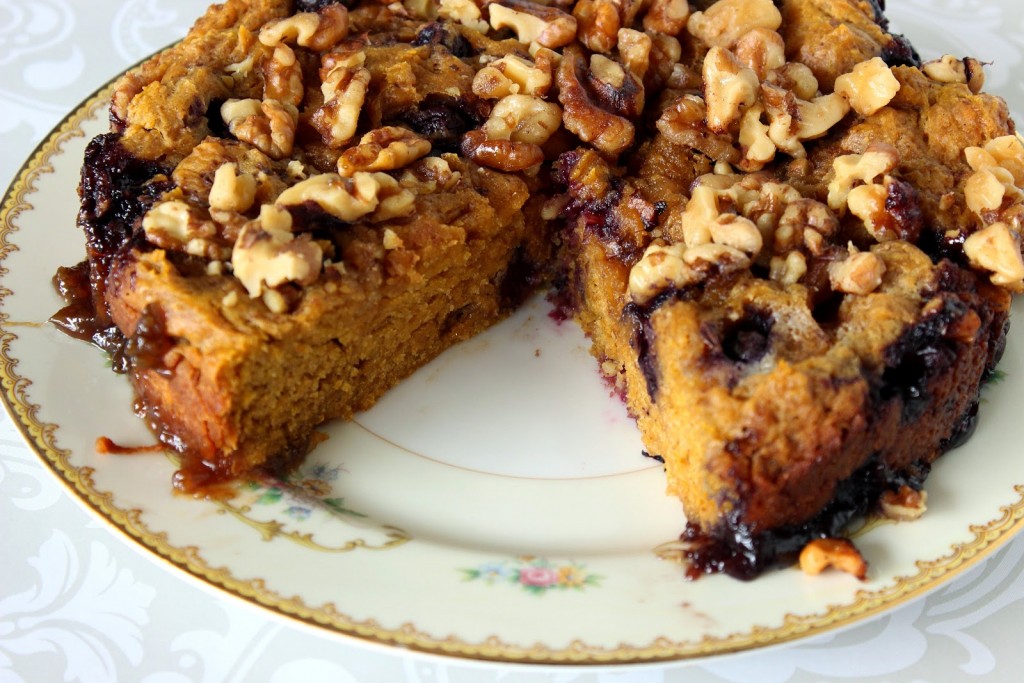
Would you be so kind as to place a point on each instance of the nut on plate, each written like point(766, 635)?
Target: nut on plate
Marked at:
point(838, 553)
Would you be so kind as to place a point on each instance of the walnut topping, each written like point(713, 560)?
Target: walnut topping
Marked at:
point(1006, 152)
point(598, 24)
point(762, 50)
point(502, 155)
point(737, 232)
point(176, 226)
point(683, 122)
point(466, 12)
point(869, 87)
point(523, 118)
point(607, 71)
point(583, 116)
point(721, 256)
point(383, 149)
point(268, 257)
point(729, 88)
point(635, 50)
point(993, 190)
point(679, 265)
point(700, 211)
point(232, 191)
point(860, 273)
point(430, 175)
point(344, 198)
point(949, 69)
point(795, 77)
point(667, 16)
point(394, 200)
point(344, 91)
point(282, 77)
point(840, 553)
point(269, 126)
point(723, 23)
point(851, 169)
point(788, 270)
point(660, 268)
point(867, 202)
point(513, 75)
point(757, 148)
point(533, 23)
point(318, 31)
point(996, 248)
point(793, 120)
point(904, 505)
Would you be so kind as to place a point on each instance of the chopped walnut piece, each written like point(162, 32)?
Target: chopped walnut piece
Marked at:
point(319, 31)
point(869, 87)
point(266, 257)
point(533, 23)
point(788, 270)
point(344, 198)
point(729, 88)
point(839, 553)
point(762, 50)
point(793, 120)
point(430, 175)
point(1006, 152)
point(604, 130)
point(269, 126)
point(391, 240)
point(607, 71)
point(721, 256)
point(904, 505)
point(667, 16)
point(795, 77)
point(635, 49)
point(660, 268)
point(466, 12)
point(501, 155)
point(383, 149)
point(282, 77)
point(523, 118)
point(737, 232)
point(701, 210)
point(176, 226)
point(513, 75)
point(757, 148)
point(850, 169)
point(722, 24)
point(987, 187)
point(683, 122)
point(598, 24)
point(344, 91)
point(949, 69)
point(860, 273)
point(996, 248)
point(231, 190)
point(867, 202)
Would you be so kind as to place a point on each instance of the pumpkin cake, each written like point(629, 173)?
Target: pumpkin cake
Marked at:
point(792, 244)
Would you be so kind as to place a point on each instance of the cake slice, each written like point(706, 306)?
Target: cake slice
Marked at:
point(261, 275)
point(799, 342)
point(791, 243)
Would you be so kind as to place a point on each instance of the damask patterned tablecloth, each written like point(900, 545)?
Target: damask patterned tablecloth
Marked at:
point(79, 603)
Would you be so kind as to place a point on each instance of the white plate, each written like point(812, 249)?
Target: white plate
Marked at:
point(494, 506)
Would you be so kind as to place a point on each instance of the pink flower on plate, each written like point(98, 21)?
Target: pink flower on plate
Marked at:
point(538, 576)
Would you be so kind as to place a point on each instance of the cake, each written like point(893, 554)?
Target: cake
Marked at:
point(791, 243)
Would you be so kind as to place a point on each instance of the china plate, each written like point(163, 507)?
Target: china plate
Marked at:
point(494, 506)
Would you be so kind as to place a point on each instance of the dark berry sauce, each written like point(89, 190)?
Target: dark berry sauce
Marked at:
point(737, 549)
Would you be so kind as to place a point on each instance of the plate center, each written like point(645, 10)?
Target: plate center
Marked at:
point(524, 399)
